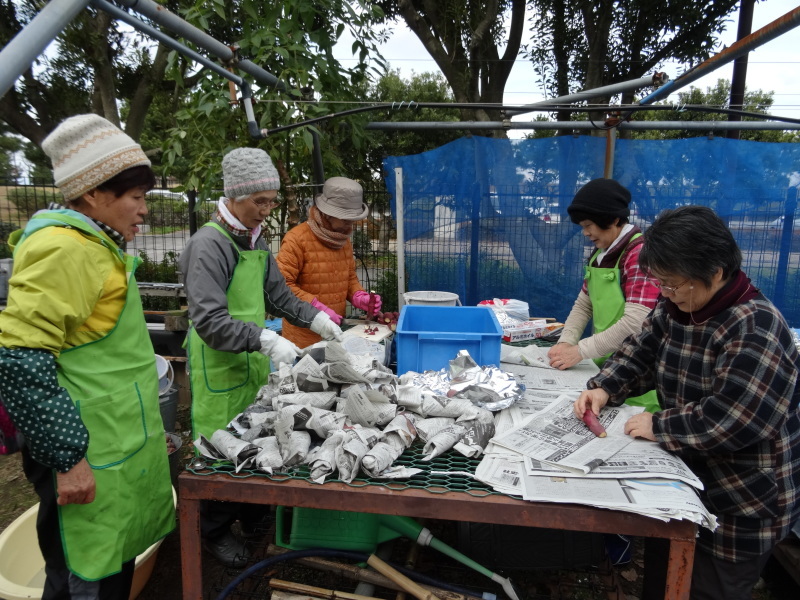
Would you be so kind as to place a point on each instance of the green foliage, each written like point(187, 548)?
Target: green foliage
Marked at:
point(386, 287)
point(364, 156)
point(579, 45)
point(5, 231)
point(362, 245)
point(294, 41)
point(713, 97)
point(165, 271)
point(29, 199)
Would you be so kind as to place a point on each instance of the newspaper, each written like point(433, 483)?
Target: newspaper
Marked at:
point(662, 499)
point(504, 474)
point(269, 455)
point(556, 436)
point(536, 356)
point(552, 379)
point(641, 459)
point(360, 409)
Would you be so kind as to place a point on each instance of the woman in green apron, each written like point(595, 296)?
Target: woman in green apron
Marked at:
point(77, 369)
point(616, 295)
point(231, 282)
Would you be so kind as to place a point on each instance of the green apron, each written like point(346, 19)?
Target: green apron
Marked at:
point(224, 383)
point(114, 385)
point(608, 306)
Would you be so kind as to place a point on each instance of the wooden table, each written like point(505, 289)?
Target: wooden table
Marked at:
point(461, 506)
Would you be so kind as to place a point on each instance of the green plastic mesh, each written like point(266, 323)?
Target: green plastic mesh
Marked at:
point(445, 473)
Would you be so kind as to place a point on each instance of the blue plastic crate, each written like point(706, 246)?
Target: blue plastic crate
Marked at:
point(429, 337)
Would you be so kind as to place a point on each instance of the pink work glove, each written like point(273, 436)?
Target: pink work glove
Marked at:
point(328, 311)
point(362, 300)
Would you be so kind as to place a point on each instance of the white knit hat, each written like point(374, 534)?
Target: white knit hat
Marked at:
point(342, 198)
point(248, 171)
point(87, 150)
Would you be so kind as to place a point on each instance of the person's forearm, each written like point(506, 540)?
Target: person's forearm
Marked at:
point(41, 409)
point(576, 322)
point(611, 339)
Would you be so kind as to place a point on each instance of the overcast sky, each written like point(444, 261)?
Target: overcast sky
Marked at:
point(772, 67)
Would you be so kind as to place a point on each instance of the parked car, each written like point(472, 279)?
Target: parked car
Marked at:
point(778, 223)
point(164, 194)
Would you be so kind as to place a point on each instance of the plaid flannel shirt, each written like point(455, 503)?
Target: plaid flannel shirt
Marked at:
point(730, 396)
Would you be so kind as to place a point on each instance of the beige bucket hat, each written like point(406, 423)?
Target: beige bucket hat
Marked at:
point(342, 198)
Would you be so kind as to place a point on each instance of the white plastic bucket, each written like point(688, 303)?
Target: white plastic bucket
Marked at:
point(165, 374)
point(22, 566)
point(432, 298)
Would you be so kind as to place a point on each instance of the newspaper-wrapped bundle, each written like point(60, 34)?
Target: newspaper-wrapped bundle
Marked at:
point(337, 367)
point(358, 440)
point(427, 428)
point(239, 452)
point(269, 454)
point(309, 376)
point(443, 440)
point(361, 410)
point(477, 435)
point(321, 422)
point(250, 416)
point(254, 424)
point(323, 462)
point(324, 400)
point(397, 436)
point(426, 404)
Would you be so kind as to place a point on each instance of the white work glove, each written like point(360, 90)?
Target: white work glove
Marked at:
point(324, 327)
point(279, 349)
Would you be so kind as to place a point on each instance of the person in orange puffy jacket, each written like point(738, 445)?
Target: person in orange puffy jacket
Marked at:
point(316, 257)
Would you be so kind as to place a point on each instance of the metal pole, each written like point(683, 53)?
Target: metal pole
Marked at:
point(171, 21)
point(656, 79)
point(18, 55)
point(316, 163)
point(739, 77)
point(779, 26)
point(611, 144)
point(583, 125)
point(162, 37)
point(401, 231)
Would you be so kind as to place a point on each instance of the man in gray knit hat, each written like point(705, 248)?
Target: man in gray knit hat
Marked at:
point(231, 282)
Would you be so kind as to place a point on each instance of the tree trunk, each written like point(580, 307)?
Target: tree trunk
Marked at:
point(145, 91)
point(289, 194)
point(102, 58)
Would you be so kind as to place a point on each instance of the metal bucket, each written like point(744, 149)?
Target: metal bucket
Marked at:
point(432, 298)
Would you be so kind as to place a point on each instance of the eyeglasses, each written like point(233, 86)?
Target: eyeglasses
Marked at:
point(261, 204)
point(668, 289)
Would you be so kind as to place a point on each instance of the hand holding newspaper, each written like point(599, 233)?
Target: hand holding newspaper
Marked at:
point(555, 436)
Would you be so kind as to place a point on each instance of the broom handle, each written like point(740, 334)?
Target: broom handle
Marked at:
point(412, 588)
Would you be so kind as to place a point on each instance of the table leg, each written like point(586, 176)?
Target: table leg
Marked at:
point(679, 570)
point(191, 549)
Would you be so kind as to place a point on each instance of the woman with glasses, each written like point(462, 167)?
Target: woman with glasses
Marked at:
point(616, 295)
point(231, 282)
point(725, 366)
point(317, 259)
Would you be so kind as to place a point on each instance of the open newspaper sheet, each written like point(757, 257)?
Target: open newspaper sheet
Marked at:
point(641, 459)
point(545, 378)
point(556, 436)
point(662, 499)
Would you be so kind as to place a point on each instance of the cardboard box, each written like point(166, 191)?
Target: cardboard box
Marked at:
point(529, 330)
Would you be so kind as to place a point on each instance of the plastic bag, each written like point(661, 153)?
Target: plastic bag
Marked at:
point(516, 309)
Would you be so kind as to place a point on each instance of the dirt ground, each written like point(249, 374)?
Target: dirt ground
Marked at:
point(623, 582)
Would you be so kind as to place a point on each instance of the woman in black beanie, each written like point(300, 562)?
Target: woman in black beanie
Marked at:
point(616, 295)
